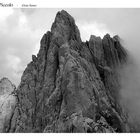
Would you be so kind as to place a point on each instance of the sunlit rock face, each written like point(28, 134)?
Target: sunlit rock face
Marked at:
point(71, 86)
point(7, 104)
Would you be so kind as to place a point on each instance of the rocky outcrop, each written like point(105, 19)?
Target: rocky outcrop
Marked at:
point(71, 86)
point(7, 104)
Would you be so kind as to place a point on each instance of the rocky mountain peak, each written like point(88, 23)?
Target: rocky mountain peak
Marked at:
point(71, 86)
point(64, 27)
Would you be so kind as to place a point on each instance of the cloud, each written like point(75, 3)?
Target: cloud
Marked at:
point(17, 44)
point(14, 63)
point(93, 28)
point(5, 13)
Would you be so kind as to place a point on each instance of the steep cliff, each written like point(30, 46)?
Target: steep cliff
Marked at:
point(71, 86)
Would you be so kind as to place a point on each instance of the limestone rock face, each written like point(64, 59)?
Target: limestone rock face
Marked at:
point(71, 86)
point(7, 104)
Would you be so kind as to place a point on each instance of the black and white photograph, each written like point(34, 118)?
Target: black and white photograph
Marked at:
point(69, 70)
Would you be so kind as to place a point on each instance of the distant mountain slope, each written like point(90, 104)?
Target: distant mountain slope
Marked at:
point(7, 103)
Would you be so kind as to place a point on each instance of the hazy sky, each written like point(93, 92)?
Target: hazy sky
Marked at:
point(22, 29)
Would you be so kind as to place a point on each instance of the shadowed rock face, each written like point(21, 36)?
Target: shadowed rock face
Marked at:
point(71, 86)
point(7, 104)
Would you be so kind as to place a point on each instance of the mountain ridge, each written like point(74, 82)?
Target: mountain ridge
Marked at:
point(71, 86)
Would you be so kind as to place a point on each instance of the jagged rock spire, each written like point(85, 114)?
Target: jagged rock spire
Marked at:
point(71, 86)
point(64, 27)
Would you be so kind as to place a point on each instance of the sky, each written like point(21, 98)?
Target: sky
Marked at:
point(22, 29)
